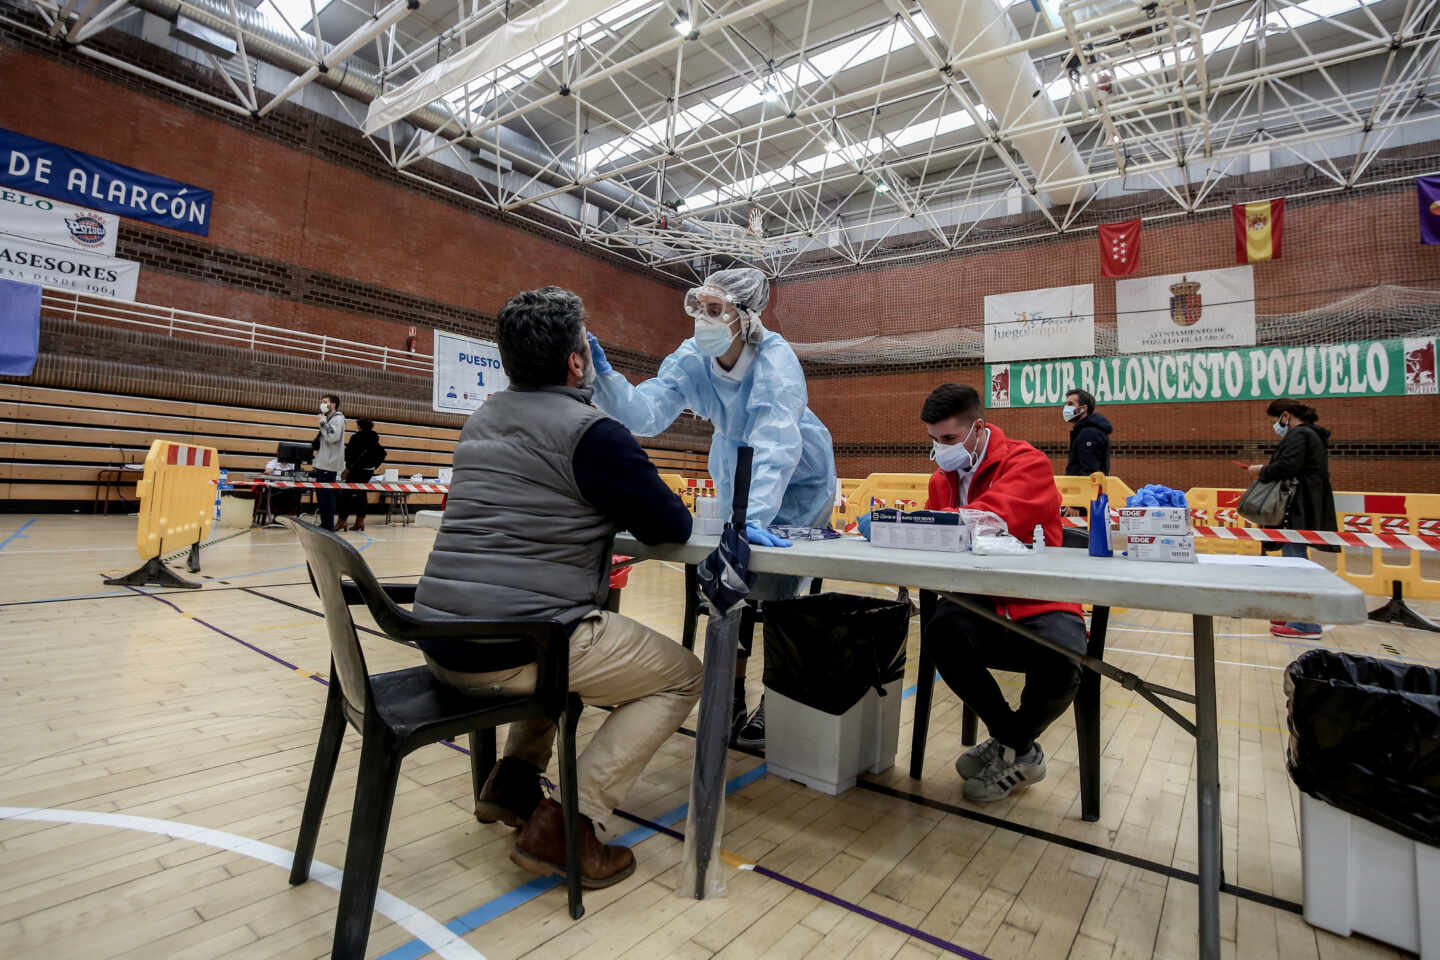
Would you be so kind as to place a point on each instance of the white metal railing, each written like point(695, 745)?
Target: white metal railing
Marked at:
point(57, 302)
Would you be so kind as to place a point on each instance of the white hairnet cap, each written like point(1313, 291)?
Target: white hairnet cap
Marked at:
point(745, 286)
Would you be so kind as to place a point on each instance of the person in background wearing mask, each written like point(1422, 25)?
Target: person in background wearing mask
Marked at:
point(363, 456)
point(1303, 455)
point(747, 381)
point(329, 456)
point(1089, 436)
point(542, 482)
point(980, 468)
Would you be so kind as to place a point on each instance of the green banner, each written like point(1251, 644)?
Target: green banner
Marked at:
point(1369, 368)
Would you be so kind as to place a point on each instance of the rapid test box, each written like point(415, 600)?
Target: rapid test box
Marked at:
point(1173, 521)
point(919, 530)
point(1164, 549)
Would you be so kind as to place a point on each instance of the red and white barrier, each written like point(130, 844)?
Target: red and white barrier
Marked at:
point(1428, 540)
point(379, 487)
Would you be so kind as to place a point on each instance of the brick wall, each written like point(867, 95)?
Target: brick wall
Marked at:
point(1331, 247)
point(303, 236)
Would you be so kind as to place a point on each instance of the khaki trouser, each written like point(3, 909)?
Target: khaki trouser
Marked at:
point(650, 680)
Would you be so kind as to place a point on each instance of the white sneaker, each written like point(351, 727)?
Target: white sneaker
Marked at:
point(1005, 773)
point(972, 761)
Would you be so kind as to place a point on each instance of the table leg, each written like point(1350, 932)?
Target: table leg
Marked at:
point(1207, 788)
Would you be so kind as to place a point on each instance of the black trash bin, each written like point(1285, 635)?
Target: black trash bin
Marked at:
point(1365, 737)
point(833, 665)
point(826, 650)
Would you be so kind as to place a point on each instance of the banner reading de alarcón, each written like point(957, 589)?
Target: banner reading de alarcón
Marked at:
point(94, 182)
point(1370, 368)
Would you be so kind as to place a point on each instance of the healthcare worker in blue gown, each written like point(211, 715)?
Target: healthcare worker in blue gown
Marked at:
point(747, 381)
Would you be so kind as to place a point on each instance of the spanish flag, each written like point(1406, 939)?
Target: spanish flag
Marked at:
point(1258, 229)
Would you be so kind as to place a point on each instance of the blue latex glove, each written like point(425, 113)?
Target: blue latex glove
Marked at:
point(597, 356)
point(761, 537)
point(863, 522)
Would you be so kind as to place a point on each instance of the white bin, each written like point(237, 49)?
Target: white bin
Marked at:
point(1362, 878)
point(826, 752)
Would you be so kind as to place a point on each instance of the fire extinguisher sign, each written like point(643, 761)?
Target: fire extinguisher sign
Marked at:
point(466, 373)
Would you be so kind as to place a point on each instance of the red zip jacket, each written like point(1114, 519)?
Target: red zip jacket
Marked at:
point(1015, 482)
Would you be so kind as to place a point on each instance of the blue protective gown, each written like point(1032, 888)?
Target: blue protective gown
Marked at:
point(793, 474)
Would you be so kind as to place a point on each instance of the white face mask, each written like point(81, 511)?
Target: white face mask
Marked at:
point(1280, 428)
point(324, 408)
point(1070, 412)
point(954, 457)
point(713, 339)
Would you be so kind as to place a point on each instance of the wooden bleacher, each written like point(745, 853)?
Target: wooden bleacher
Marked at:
point(54, 442)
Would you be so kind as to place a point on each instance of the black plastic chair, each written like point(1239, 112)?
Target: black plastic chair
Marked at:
point(1087, 705)
point(403, 710)
point(696, 607)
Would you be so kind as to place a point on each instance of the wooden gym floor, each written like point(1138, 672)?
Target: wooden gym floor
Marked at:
point(157, 751)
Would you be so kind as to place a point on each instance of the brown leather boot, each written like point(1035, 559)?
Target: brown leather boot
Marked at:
point(540, 848)
point(510, 795)
point(359, 525)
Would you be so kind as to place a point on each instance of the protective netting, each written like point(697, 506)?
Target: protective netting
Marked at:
point(1372, 313)
point(1352, 268)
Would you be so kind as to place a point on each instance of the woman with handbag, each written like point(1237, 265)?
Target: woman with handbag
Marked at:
point(1300, 466)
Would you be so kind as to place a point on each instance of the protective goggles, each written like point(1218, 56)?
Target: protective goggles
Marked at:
point(710, 305)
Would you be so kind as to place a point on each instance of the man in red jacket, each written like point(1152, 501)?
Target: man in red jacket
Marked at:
point(982, 469)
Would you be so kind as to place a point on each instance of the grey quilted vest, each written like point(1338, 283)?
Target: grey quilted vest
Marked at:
point(517, 538)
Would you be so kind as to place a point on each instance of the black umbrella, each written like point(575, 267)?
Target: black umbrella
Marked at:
point(724, 578)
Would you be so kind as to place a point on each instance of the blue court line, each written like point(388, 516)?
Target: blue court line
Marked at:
point(18, 534)
point(523, 894)
point(506, 902)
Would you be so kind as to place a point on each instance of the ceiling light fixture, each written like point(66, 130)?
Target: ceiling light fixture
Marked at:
point(681, 24)
point(881, 186)
point(832, 137)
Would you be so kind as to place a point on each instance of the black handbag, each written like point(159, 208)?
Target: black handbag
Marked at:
point(1266, 502)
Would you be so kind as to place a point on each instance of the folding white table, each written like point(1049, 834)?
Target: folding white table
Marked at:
point(1305, 592)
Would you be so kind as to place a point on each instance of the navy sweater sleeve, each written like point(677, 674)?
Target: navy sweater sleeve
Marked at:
point(619, 480)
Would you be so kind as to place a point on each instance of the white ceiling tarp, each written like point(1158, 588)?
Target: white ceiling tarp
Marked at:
point(544, 24)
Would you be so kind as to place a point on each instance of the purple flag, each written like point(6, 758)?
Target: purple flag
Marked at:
point(1429, 189)
point(19, 327)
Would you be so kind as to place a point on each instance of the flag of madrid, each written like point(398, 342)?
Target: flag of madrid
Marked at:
point(1120, 248)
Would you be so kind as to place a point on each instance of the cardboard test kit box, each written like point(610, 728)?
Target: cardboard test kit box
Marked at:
point(1165, 549)
point(1174, 521)
point(919, 530)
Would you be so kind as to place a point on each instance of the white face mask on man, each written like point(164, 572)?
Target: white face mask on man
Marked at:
point(954, 457)
point(324, 408)
point(1070, 412)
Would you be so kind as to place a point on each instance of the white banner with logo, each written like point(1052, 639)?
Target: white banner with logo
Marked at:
point(26, 215)
point(1206, 309)
point(467, 372)
point(1054, 322)
point(50, 265)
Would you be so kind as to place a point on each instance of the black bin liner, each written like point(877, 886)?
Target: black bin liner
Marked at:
point(826, 650)
point(1365, 737)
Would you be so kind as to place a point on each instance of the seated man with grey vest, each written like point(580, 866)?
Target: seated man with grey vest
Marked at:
point(542, 482)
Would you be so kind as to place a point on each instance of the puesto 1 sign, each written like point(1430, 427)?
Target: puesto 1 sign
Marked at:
point(64, 174)
point(466, 373)
point(1370, 368)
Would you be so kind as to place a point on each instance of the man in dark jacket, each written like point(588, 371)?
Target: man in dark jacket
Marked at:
point(363, 456)
point(542, 481)
point(1089, 436)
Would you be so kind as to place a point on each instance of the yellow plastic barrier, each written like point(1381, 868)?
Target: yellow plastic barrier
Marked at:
point(177, 509)
point(1394, 513)
point(1215, 507)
